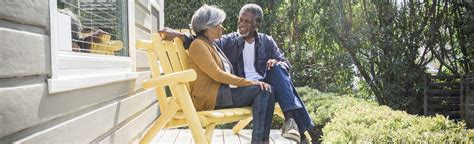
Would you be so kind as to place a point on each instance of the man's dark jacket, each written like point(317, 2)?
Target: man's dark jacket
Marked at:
point(232, 45)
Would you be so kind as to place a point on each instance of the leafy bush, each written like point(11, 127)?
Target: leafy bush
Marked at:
point(347, 119)
point(317, 104)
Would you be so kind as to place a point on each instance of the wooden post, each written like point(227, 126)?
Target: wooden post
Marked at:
point(425, 98)
point(469, 101)
point(462, 102)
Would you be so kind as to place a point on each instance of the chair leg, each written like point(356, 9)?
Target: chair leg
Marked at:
point(192, 117)
point(197, 132)
point(210, 131)
point(242, 123)
point(159, 124)
point(308, 136)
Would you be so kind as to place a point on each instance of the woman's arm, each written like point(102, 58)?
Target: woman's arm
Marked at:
point(202, 57)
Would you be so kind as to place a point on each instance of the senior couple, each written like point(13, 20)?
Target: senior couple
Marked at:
point(244, 68)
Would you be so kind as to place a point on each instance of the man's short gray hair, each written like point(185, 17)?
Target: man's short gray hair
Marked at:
point(254, 9)
point(207, 16)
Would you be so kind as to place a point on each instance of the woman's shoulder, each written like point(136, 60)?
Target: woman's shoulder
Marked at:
point(198, 46)
point(198, 43)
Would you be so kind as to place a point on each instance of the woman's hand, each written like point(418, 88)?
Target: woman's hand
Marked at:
point(263, 85)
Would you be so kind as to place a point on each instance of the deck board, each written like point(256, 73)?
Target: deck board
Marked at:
point(184, 137)
point(159, 135)
point(230, 137)
point(276, 138)
point(169, 137)
point(220, 136)
point(245, 136)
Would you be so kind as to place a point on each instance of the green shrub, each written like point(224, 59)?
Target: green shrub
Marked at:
point(363, 122)
point(354, 120)
point(319, 105)
point(347, 119)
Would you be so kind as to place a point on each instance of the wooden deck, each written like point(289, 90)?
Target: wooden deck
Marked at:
point(220, 136)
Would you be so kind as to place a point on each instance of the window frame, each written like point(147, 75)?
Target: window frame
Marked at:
point(75, 70)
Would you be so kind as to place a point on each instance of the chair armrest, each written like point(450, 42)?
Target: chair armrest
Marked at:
point(147, 44)
point(144, 44)
point(173, 78)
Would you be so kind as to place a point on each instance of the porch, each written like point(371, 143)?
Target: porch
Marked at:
point(220, 136)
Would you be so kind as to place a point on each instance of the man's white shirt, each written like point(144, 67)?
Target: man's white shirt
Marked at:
point(249, 60)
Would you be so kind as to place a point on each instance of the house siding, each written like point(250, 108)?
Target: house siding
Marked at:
point(119, 112)
point(23, 53)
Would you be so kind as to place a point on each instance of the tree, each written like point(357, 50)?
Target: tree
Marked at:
point(388, 44)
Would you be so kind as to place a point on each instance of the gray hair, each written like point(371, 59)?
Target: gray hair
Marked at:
point(207, 16)
point(254, 9)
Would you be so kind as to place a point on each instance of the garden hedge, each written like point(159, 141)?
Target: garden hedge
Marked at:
point(349, 119)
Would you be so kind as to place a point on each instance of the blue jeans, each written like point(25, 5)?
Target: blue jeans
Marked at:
point(286, 95)
point(263, 103)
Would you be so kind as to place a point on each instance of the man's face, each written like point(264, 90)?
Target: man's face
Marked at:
point(246, 23)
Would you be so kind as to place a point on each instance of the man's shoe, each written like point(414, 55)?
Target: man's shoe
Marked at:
point(289, 130)
point(316, 133)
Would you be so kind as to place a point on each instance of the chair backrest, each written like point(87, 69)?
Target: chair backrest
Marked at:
point(172, 58)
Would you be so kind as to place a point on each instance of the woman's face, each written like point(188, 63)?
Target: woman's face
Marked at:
point(215, 32)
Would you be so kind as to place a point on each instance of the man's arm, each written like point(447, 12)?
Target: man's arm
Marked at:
point(170, 34)
point(203, 59)
point(277, 56)
point(224, 41)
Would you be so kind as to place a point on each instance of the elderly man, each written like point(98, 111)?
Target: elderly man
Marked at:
point(255, 56)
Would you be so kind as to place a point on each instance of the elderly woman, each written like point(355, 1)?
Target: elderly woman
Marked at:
point(216, 87)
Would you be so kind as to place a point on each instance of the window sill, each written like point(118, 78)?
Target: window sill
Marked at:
point(69, 84)
point(74, 71)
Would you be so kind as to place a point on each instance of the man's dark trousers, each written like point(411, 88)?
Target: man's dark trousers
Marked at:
point(286, 95)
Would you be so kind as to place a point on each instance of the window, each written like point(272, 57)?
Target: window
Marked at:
point(90, 43)
point(97, 26)
point(155, 20)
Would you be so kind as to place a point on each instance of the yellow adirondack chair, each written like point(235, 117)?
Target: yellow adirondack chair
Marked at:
point(107, 46)
point(178, 110)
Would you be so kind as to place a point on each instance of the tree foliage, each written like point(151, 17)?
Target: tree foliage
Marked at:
point(178, 13)
point(387, 44)
point(391, 42)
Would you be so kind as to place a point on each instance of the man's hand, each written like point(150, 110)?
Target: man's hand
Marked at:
point(271, 63)
point(169, 34)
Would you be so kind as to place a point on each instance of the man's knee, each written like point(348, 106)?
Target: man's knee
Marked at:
point(278, 69)
point(276, 74)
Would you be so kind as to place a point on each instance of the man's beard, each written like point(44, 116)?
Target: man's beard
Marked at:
point(242, 35)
